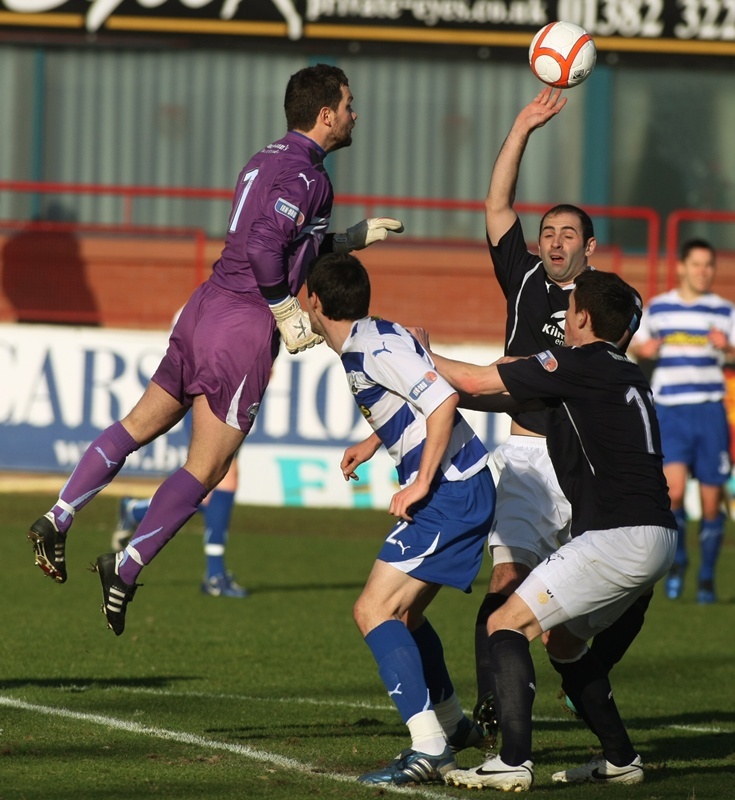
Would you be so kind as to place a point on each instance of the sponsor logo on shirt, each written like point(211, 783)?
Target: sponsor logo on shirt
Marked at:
point(555, 328)
point(547, 361)
point(683, 338)
point(420, 387)
point(289, 210)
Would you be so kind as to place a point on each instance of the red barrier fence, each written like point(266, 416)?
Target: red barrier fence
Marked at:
point(646, 269)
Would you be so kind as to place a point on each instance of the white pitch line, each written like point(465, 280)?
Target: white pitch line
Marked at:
point(209, 744)
point(697, 729)
point(311, 701)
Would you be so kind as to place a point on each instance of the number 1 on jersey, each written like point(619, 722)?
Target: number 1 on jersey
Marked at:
point(247, 180)
point(634, 396)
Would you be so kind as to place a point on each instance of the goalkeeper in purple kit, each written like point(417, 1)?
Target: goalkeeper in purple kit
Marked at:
point(222, 348)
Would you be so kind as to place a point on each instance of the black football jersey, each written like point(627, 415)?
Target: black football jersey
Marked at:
point(535, 307)
point(602, 434)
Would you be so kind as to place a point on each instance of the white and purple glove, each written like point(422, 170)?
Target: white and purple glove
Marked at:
point(293, 324)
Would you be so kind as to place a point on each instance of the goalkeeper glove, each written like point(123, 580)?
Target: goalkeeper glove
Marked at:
point(364, 233)
point(293, 324)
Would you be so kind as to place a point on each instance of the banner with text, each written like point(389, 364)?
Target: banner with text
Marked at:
point(61, 386)
point(702, 27)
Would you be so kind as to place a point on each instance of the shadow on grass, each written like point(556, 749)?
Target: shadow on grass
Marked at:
point(82, 684)
point(337, 729)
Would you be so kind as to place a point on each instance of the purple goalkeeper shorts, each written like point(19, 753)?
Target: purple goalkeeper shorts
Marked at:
point(222, 346)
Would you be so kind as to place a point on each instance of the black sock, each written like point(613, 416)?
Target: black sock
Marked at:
point(610, 645)
point(514, 680)
point(491, 602)
point(586, 683)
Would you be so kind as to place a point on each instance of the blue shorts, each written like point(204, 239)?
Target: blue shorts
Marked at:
point(222, 346)
point(445, 542)
point(697, 435)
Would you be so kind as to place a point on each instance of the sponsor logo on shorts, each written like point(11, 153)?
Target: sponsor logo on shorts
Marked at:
point(365, 411)
point(253, 411)
point(423, 385)
point(547, 361)
point(544, 597)
point(289, 210)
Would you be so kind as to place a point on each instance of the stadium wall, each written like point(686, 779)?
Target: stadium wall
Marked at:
point(139, 282)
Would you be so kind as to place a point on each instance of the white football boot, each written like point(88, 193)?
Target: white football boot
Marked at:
point(600, 770)
point(494, 774)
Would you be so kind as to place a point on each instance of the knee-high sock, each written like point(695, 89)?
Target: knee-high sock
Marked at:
point(217, 515)
point(514, 681)
point(611, 644)
point(431, 651)
point(710, 540)
point(101, 461)
point(401, 670)
point(680, 559)
point(491, 602)
point(400, 667)
point(586, 683)
point(176, 501)
point(441, 690)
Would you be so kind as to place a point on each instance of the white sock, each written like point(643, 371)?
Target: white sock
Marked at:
point(449, 713)
point(427, 735)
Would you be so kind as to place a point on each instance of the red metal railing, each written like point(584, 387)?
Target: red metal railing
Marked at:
point(368, 203)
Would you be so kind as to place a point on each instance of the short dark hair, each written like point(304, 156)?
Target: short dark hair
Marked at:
point(613, 305)
point(695, 244)
point(308, 91)
point(588, 230)
point(342, 284)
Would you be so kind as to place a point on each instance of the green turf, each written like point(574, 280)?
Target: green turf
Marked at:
point(204, 697)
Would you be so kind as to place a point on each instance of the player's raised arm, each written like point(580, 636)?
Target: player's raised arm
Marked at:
point(499, 213)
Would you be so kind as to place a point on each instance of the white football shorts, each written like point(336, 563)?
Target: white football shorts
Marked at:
point(532, 515)
point(589, 582)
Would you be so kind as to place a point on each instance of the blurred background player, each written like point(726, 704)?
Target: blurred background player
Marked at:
point(690, 331)
point(444, 509)
point(532, 515)
point(217, 511)
point(222, 349)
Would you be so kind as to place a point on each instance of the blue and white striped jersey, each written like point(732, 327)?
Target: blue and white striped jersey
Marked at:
point(396, 386)
point(689, 368)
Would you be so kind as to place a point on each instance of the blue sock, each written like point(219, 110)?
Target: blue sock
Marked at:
point(139, 509)
point(217, 515)
point(432, 657)
point(710, 539)
point(400, 667)
point(680, 559)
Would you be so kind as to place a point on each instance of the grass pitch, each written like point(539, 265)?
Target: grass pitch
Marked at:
point(276, 696)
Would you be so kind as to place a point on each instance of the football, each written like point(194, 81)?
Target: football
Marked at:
point(562, 54)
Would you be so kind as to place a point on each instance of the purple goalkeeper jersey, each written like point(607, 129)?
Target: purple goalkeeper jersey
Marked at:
point(280, 213)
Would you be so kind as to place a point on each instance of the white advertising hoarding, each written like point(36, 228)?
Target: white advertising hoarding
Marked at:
point(61, 386)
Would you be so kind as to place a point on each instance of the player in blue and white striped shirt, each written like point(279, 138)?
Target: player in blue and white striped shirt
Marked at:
point(444, 507)
point(690, 330)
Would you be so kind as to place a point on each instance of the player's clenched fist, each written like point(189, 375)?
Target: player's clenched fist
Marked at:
point(293, 324)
